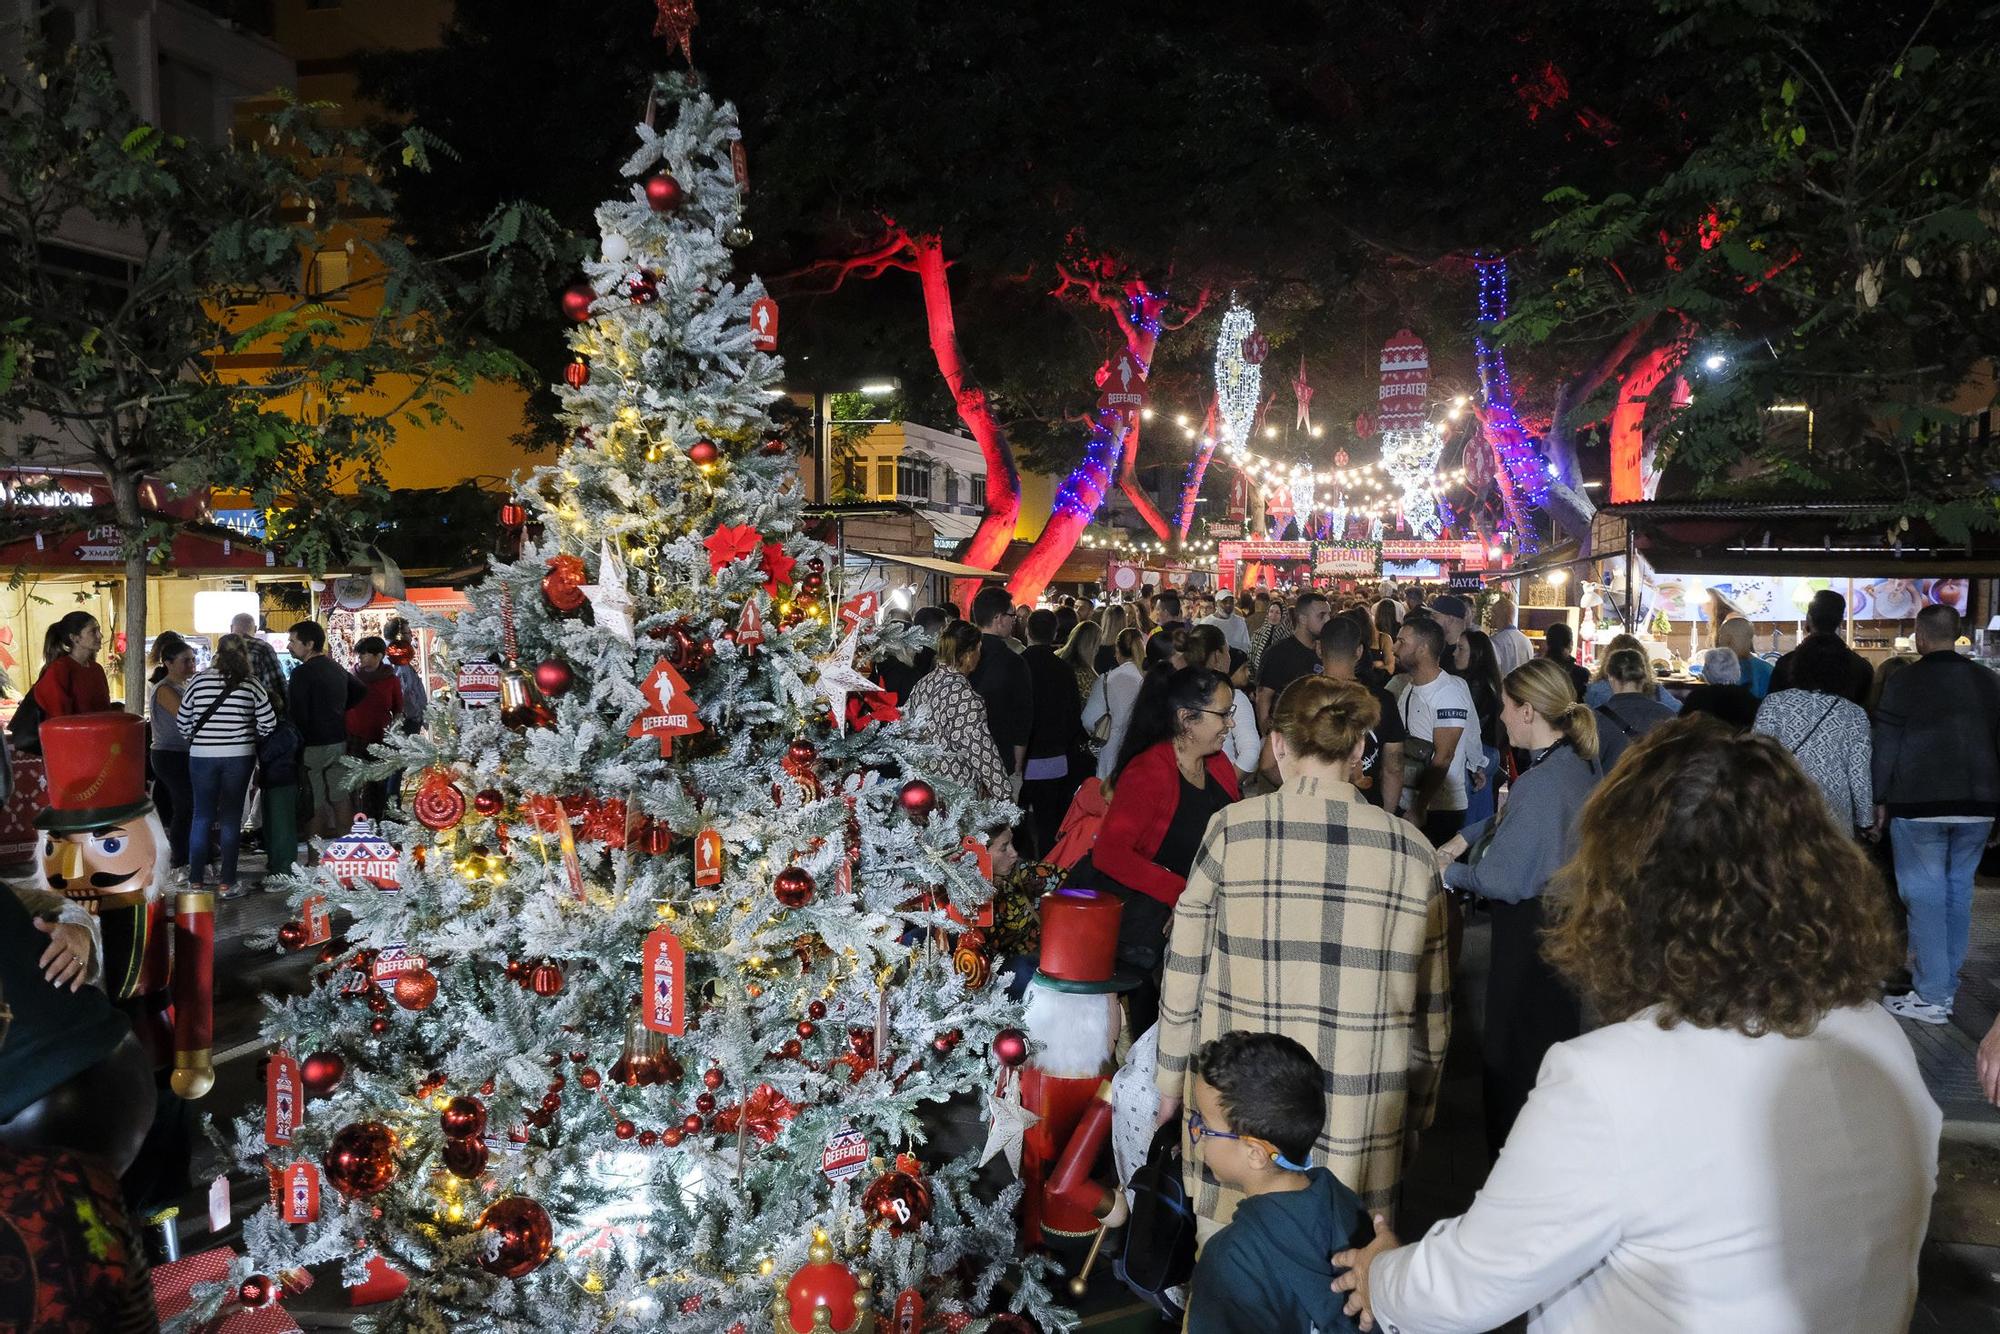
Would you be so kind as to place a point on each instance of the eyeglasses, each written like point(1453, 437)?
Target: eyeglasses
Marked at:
point(1229, 712)
point(1198, 1131)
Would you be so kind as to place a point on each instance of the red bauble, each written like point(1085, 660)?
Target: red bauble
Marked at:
point(488, 801)
point(577, 373)
point(524, 1237)
point(257, 1292)
point(465, 1158)
point(801, 751)
point(644, 289)
point(624, 1130)
point(822, 1284)
point(320, 1072)
point(712, 1078)
point(672, 1137)
point(703, 452)
point(656, 839)
point(1010, 1047)
point(790, 1051)
point(361, 1159)
point(691, 1123)
point(705, 1103)
point(816, 1010)
point(513, 514)
point(793, 887)
point(918, 799)
point(899, 1200)
point(292, 935)
point(554, 677)
point(590, 1079)
point(664, 193)
point(378, 1001)
point(517, 972)
point(416, 989)
point(576, 302)
point(648, 1138)
point(378, 1026)
point(773, 447)
point(546, 980)
point(463, 1118)
point(438, 804)
point(807, 1028)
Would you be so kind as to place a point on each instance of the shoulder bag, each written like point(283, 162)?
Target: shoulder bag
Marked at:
point(1159, 1240)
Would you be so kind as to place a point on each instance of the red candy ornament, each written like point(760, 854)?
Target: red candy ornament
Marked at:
point(439, 805)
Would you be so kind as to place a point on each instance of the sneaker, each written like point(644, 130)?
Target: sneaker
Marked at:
point(232, 892)
point(1910, 1005)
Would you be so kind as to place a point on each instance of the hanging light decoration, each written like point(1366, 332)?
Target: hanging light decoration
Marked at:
point(1410, 444)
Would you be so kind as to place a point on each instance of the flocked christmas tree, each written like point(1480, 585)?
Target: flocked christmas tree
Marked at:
point(630, 1002)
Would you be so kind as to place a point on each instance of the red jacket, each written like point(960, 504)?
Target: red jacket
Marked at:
point(368, 721)
point(1143, 802)
point(67, 686)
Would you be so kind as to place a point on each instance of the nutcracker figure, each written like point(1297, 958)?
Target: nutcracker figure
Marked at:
point(1073, 1019)
point(102, 846)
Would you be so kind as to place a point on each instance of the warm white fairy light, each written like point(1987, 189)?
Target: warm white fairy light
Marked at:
point(1237, 382)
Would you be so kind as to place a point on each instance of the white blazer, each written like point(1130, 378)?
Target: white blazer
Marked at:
point(1690, 1181)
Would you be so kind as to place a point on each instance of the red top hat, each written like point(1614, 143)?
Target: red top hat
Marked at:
point(1080, 943)
point(97, 770)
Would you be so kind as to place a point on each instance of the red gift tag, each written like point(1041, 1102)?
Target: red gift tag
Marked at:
point(669, 710)
point(299, 1193)
point(708, 858)
point(844, 1155)
point(859, 608)
point(392, 961)
point(284, 1100)
point(750, 627)
point(318, 922)
point(764, 324)
point(908, 1315)
point(666, 983)
point(479, 683)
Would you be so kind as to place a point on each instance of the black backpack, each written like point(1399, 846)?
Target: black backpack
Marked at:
point(24, 732)
point(1159, 1239)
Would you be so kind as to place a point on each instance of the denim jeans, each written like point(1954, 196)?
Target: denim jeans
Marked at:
point(1935, 864)
point(171, 779)
point(220, 785)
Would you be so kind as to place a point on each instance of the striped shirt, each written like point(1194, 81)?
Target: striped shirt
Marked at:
point(243, 714)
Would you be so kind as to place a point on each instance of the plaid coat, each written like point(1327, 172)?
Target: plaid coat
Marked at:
point(1311, 913)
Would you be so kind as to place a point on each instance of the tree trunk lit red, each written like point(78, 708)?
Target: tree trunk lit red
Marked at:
point(1628, 421)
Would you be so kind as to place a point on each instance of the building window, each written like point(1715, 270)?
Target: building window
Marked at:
point(885, 480)
point(977, 489)
point(950, 487)
point(326, 275)
point(913, 479)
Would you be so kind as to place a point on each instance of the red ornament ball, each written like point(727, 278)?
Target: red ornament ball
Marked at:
point(465, 1158)
point(773, 447)
point(648, 1138)
point(793, 887)
point(489, 802)
point(416, 989)
point(918, 799)
point(554, 677)
point(576, 302)
point(702, 453)
point(705, 1103)
point(590, 1079)
point(664, 193)
point(816, 1010)
point(712, 1078)
point(378, 1026)
point(546, 980)
point(823, 1283)
point(361, 1158)
point(552, 1102)
point(463, 1118)
point(691, 1123)
point(899, 1199)
point(624, 1130)
point(577, 373)
point(257, 1292)
point(801, 752)
point(524, 1236)
point(558, 1083)
point(378, 1001)
point(292, 935)
point(672, 1136)
point(807, 1028)
point(517, 972)
point(1010, 1047)
point(321, 1072)
point(790, 1051)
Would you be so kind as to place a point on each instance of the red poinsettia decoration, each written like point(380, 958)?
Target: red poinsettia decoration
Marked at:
point(877, 706)
point(606, 822)
point(729, 542)
point(777, 567)
point(763, 1114)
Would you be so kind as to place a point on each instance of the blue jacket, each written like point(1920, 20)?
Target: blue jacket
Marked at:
point(1537, 832)
point(1270, 1271)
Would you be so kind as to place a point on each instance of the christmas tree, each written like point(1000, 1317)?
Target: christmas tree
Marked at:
point(637, 1001)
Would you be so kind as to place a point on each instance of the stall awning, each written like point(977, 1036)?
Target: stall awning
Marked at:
point(953, 528)
point(929, 563)
point(1807, 538)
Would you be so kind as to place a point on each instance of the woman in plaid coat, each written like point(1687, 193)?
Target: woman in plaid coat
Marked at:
point(1313, 914)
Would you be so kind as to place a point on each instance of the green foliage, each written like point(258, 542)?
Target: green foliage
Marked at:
point(1831, 232)
point(119, 371)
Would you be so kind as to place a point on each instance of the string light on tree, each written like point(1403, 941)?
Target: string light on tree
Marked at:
point(1524, 485)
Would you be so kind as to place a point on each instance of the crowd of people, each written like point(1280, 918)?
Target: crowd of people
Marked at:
point(1687, 1055)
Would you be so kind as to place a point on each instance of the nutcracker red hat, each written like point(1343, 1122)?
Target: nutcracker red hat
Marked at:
point(1080, 943)
point(97, 771)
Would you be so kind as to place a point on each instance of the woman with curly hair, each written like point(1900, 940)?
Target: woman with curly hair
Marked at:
point(1747, 1144)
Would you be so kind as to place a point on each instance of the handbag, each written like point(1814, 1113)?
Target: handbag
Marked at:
point(1159, 1239)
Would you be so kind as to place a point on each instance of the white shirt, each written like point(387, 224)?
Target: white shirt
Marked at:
point(1445, 702)
point(1111, 696)
point(1243, 745)
point(1511, 648)
point(1235, 630)
point(1693, 1181)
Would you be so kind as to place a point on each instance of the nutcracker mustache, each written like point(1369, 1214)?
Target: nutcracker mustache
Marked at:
point(98, 880)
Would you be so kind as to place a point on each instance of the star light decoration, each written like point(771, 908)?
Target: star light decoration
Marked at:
point(609, 601)
point(676, 22)
point(838, 679)
point(1302, 394)
point(1007, 1122)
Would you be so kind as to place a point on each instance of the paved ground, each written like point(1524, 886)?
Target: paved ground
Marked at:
point(1960, 1274)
